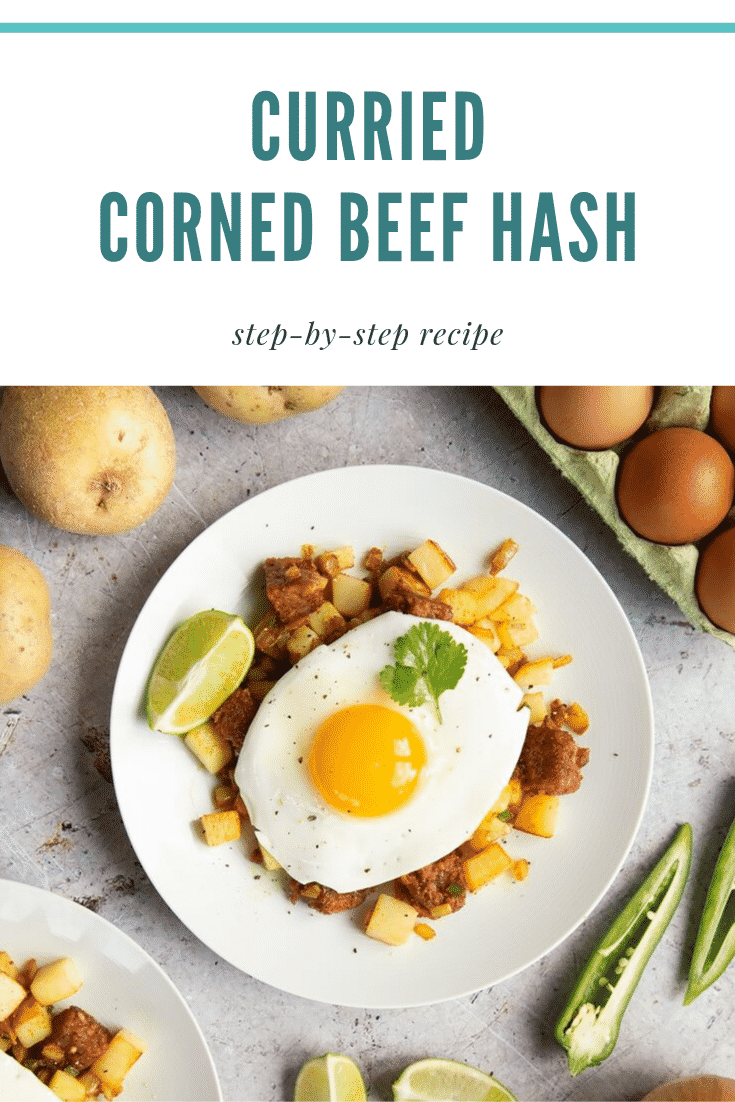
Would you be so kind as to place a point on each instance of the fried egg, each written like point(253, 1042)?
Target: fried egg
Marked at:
point(349, 789)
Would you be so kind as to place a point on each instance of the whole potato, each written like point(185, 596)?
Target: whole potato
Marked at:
point(25, 624)
point(257, 405)
point(88, 459)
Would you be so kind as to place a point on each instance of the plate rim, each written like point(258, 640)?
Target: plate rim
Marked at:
point(647, 762)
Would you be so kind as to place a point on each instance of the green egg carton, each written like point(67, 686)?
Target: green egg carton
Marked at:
point(594, 474)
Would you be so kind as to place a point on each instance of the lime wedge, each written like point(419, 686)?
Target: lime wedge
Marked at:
point(437, 1080)
point(329, 1078)
point(203, 662)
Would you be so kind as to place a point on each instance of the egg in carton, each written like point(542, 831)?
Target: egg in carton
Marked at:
point(595, 474)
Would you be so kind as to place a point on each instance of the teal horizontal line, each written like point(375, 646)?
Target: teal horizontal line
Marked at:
point(367, 28)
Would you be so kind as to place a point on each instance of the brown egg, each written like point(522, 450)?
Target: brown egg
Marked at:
point(714, 1088)
point(675, 485)
point(715, 580)
point(594, 417)
point(722, 409)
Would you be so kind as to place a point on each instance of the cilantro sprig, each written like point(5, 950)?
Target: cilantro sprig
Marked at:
point(428, 662)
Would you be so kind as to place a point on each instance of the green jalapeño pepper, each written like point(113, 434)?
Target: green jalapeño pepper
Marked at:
point(589, 1025)
point(715, 944)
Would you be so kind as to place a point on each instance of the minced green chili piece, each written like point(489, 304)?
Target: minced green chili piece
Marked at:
point(590, 1023)
point(714, 947)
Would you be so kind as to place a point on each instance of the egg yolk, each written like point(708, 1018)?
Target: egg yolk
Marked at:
point(366, 760)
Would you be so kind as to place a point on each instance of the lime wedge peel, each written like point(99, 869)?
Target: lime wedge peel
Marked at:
point(435, 1080)
point(203, 662)
point(330, 1078)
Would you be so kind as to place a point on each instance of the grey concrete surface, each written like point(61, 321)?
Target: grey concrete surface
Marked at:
point(60, 827)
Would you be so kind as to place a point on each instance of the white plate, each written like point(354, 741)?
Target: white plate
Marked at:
point(123, 987)
point(246, 918)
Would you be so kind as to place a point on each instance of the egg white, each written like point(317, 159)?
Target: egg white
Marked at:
point(470, 756)
point(20, 1084)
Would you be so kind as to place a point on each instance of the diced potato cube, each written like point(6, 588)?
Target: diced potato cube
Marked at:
point(331, 562)
point(424, 930)
point(31, 1022)
point(115, 1063)
point(520, 869)
point(482, 867)
point(535, 673)
point(327, 622)
point(485, 631)
point(12, 994)
point(576, 718)
point(507, 643)
point(212, 750)
point(516, 607)
point(537, 707)
point(8, 965)
point(499, 615)
point(432, 563)
point(56, 981)
point(345, 556)
point(537, 815)
point(220, 827)
point(269, 861)
point(391, 921)
point(510, 794)
point(399, 579)
point(351, 595)
point(5, 1043)
point(463, 604)
point(67, 1087)
point(513, 658)
point(441, 911)
point(490, 593)
point(301, 642)
point(503, 555)
point(91, 1083)
point(490, 830)
point(482, 585)
point(522, 633)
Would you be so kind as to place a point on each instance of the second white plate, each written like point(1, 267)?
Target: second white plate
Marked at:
point(239, 911)
point(123, 988)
